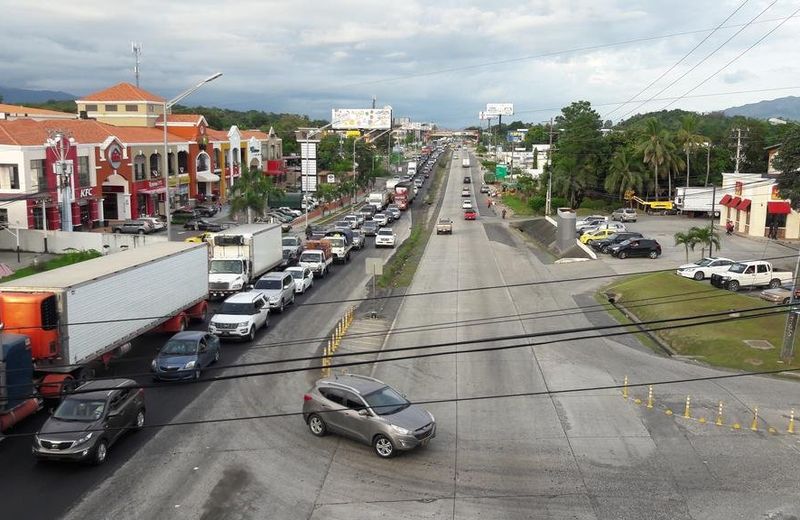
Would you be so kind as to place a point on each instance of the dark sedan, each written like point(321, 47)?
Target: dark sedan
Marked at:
point(86, 424)
point(370, 228)
point(205, 211)
point(604, 245)
point(199, 224)
point(185, 355)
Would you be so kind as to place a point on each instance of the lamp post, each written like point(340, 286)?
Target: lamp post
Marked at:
point(167, 105)
point(61, 145)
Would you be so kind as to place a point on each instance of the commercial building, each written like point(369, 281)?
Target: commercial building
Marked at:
point(757, 206)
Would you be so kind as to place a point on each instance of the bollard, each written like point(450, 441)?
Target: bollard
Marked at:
point(625, 388)
point(791, 422)
point(687, 413)
point(718, 422)
point(650, 396)
point(754, 424)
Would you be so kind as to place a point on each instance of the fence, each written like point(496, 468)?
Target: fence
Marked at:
point(38, 241)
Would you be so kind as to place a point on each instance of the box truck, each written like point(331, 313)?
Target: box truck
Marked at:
point(240, 255)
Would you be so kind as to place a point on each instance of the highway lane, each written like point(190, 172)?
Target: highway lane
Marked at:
point(232, 458)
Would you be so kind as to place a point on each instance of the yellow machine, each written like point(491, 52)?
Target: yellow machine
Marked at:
point(649, 205)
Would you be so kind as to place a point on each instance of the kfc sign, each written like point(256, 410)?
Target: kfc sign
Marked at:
point(114, 155)
point(738, 188)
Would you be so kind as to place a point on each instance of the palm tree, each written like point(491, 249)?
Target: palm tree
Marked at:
point(689, 139)
point(251, 192)
point(705, 236)
point(655, 148)
point(687, 240)
point(624, 174)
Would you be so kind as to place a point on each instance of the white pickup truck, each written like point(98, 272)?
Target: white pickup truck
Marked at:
point(757, 273)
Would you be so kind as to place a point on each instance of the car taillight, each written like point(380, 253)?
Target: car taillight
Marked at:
point(307, 397)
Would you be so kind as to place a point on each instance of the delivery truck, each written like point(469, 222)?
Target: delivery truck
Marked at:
point(59, 326)
point(317, 256)
point(379, 199)
point(240, 255)
point(697, 201)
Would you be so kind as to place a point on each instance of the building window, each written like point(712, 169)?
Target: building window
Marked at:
point(84, 178)
point(38, 221)
point(3, 217)
point(9, 177)
point(217, 163)
point(111, 108)
point(203, 162)
point(155, 165)
point(131, 108)
point(151, 108)
point(139, 169)
point(91, 108)
point(37, 173)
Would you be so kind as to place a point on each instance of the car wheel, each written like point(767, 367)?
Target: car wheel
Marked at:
point(141, 232)
point(604, 250)
point(292, 302)
point(138, 424)
point(733, 285)
point(699, 275)
point(282, 307)
point(197, 374)
point(383, 446)
point(785, 301)
point(217, 355)
point(100, 452)
point(622, 254)
point(251, 336)
point(653, 254)
point(317, 425)
point(589, 242)
point(774, 283)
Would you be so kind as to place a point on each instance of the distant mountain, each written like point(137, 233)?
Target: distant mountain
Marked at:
point(22, 96)
point(785, 108)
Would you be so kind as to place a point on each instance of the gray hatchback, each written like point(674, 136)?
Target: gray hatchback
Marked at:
point(369, 411)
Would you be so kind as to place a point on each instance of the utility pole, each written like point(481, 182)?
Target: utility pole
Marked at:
point(549, 201)
point(738, 149)
point(136, 49)
point(713, 209)
point(787, 350)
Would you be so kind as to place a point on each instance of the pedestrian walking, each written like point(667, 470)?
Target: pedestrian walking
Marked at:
point(504, 213)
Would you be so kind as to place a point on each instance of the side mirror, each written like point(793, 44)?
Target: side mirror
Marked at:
point(203, 349)
point(249, 287)
point(364, 412)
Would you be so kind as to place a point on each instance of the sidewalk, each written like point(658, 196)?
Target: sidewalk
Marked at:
point(27, 259)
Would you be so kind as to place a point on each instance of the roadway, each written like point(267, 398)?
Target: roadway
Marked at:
point(49, 490)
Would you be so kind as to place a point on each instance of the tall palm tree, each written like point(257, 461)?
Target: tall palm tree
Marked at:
point(687, 240)
point(689, 139)
point(624, 174)
point(251, 192)
point(705, 237)
point(655, 147)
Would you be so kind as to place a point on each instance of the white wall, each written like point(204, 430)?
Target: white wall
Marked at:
point(32, 240)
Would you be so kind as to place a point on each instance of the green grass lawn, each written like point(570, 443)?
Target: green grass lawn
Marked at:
point(517, 205)
point(54, 263)
point(718, 344)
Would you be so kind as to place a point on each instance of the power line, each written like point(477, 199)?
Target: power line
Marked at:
point(540, 393)
point(709, 35)
point(736, 57)
point(745, 26)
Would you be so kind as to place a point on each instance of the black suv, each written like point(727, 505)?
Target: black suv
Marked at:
point(636, 247)
point(90, 420)
point(467, 180)
point(616, 238)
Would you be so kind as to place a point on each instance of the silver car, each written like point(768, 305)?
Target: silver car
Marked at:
point(369, 411)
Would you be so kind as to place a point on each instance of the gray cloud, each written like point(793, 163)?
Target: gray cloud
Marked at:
point(307, 56)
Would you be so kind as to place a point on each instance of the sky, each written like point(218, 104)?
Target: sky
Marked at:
point(437, 62)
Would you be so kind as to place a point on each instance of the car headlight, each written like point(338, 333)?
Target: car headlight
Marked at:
point(189, 365)
point(85, 438)
point(726, 278)
point(237, 285)
point(400, 430)
point(243, 324)
point(274, 299)
point(153, 365)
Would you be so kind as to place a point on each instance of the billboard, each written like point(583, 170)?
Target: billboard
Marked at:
point(516, 136)
point(361, 118)
point(500, 109)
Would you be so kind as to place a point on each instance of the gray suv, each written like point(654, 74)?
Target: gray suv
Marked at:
point(369, 411)
point(278, 288)
point(85, 424)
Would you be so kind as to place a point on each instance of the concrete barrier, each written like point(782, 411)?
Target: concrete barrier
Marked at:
point(38, 241)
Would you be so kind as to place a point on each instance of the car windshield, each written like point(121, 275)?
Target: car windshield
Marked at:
point(336, 242)
point(290, 241)
point(179, 347)
point(310, 257)
point(385, 232)
point(269, 283)
point(704, 262)
point(738, 268)
point(386, 401)
point(287, 253)
point(83, 410)
point(225, 266)
point(297, 275)
point(244, 309)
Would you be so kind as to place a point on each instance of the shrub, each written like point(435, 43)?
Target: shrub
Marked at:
point(537, 203)
point(597, 204)
point(489, 178)
point(559, 202)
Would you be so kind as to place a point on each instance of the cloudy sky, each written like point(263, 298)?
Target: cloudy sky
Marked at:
point(438, 61)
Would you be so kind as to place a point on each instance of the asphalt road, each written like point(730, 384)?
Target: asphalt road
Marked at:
point(49, 490)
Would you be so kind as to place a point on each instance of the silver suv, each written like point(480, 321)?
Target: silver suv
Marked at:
point(278, 288)
point(625, 215)
point(369, 411)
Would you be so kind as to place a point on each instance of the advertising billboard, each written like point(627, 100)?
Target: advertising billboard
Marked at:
point(500, 109)
point(361, 118)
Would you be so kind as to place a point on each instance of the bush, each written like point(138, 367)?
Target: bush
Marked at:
point(559, 202)
point(596, 204)
point(489, 178)
point(537, 203)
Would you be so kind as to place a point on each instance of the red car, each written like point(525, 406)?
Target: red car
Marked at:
point(470, 214)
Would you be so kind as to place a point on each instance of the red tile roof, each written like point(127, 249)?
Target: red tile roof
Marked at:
point(123, 92)
point(217, 135)
point(27, 132)
point(258, 134)
point(180, 118)
point(21, 111)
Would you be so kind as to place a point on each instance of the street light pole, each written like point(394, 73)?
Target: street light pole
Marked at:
point(167, 105)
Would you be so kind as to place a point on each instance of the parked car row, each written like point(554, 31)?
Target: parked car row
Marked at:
point(725, 273)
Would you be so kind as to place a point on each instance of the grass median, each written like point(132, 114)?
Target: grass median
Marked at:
point(665, 295)
point(72, 257)
point(517, 205)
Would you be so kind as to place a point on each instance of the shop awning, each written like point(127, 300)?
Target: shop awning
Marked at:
point(153, 191)
point(779, 208)
point(726, 200)
point(207, 176)
point(734, 202)
point(744, 205)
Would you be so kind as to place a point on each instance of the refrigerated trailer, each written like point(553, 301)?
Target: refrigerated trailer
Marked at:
point(78, 317)
point(241, 254)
